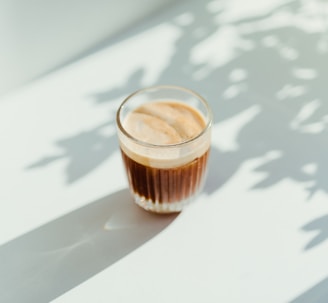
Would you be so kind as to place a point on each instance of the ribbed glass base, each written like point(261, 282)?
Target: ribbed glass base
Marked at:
point(161, 208)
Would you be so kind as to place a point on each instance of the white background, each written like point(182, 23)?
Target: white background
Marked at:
point(258, 232)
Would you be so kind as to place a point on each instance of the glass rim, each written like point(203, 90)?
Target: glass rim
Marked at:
point(173, 87)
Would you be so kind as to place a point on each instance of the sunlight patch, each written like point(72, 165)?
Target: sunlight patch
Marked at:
point(310, 168)
point(304, 73)
point(185, 19)
point(233, 91)
point(228, 130)
point(238, 74)
point(304, 114)
point(291, 91)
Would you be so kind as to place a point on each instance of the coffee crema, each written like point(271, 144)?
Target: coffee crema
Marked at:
point(163, 123)
point(165, 175)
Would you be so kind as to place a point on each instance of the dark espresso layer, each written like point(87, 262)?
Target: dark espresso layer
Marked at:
point(166, 185)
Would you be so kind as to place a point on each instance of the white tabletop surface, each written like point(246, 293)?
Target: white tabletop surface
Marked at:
point(258, 233)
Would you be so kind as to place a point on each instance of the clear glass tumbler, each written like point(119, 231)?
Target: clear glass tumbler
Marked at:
point(164, 135)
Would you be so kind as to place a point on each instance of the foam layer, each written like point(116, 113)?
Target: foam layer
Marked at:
point(164, 123)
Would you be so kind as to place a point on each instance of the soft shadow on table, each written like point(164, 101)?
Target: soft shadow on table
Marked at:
point(316, 294)
point(54, 258)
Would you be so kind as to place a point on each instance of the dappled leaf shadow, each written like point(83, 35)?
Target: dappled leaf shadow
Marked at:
point(86, 151)
point(270, 60)
point(134, 82)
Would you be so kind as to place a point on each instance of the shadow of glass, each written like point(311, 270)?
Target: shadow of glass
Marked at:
point(54, 258)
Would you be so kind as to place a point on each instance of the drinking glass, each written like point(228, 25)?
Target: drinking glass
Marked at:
point(165, 177)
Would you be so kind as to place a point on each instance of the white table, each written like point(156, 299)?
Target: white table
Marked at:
point(258, 233)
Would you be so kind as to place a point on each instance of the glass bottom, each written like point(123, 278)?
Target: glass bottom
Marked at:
point(161, 207)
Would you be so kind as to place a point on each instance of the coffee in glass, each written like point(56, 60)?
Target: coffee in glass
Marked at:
point(164, 135)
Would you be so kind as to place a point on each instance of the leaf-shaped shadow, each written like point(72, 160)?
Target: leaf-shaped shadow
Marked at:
point(320, 225)
point(85, 152)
